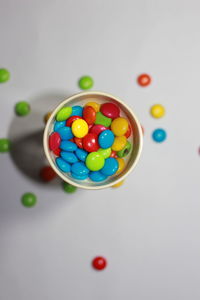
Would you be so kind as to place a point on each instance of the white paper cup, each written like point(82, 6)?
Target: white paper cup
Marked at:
point(136, 139)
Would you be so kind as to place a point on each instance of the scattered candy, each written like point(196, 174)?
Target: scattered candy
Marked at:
point(95, 105)
point(4, 75)
point(89, 114)
point(110, 167)
point(144, 80)
point(110, 110)
point(47, 116)
point(64, 113)
point(5, 145)
point(68, 188)
point(95, 161)
point(125, 151)
point(157, 111)
point(119, 143)
point(159, 135)
point(118, 184)
point(47, 174)
point(80, 128)
point(22, 108)
point(86, 82)
point(99, 263)
point(102, 120)
point(90, 142)
point(29, 199)
point(106, 139)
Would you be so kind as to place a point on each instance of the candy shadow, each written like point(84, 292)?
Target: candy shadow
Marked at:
point(26, 135)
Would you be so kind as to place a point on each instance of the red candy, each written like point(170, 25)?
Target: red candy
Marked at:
point(89, 114)
point(90, 142)
point(97, 129)
point(54, 141)
point(57, 152)
point(144, 79)
point(113, 154)
point(71, 120)
point(78, 142)
point(128, 133)
point(110, 110)
point(47, 174)
point(99, 263)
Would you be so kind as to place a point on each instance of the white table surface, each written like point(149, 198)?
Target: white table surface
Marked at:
point(149, 229)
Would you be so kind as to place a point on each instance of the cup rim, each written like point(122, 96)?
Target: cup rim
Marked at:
point(46, 140)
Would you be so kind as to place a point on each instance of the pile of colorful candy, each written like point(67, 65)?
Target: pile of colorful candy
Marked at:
point(90, 141)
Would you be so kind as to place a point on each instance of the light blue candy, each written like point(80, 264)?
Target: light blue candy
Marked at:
point(159, 135)
point(110, 167)
point(63, 165)
point(97, 176)
point(80, 168)
point(81, 154)
point(106, 139)
point(68, 146)
point(77, 111)
point(69, 157)
point(58, 125)
point(65, 133)
point(79, 177)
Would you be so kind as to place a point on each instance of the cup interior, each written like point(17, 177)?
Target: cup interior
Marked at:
point(136, 139)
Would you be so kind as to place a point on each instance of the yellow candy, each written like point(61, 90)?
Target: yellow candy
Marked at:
point(118, 184)
point(157, 111)
point(119, 126)
point(119, 143)
point(95, 105)
point(121, 165)
point(79, 128)
point(47, 116)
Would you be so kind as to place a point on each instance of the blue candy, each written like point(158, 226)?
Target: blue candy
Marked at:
point(79, 168)
point(81, 154)
point(63, 165)
point(106, 139)
point(77, 111)
point(159, 135)
point(79, 177)
point(97, 176)
point(58, 125)
point(65, 133)
point(69, 157)
point(68, 146)
point(110, 167)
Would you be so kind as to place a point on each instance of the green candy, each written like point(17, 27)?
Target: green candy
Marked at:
point(4, 145)
point(22, 108)
point(29, 199)
point(125, 151)
point(64, 113)
point(68, 188)
point(102, 120)
point(4, 75)
point(95, 161)
point(86, 82)
point(105, 152)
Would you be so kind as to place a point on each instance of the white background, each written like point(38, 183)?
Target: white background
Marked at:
point(149, 229)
